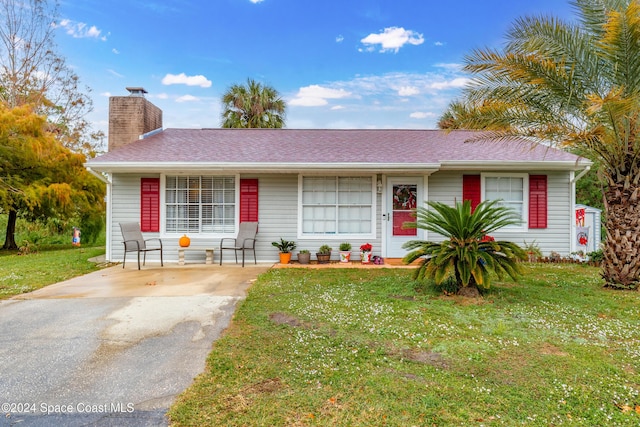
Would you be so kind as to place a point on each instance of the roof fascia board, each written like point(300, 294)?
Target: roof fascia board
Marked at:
point(504, 165)
point(259, 167)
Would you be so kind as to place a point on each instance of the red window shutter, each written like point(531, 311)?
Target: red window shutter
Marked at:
point(248, 200)
point(150, 204)
point(537, 201)
point(471, 190)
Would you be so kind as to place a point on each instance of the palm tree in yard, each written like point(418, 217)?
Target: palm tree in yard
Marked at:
point(577, 85)
point(468, 255)
point(252, 106)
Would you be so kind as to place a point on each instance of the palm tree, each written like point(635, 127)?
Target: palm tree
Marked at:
point(576, 85)
point(468, 254)
point(252, 106)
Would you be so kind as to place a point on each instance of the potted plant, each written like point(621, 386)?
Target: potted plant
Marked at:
point(304, 256)
point(285, 247)
point(324, 254)
point(365, 253)
point(345, 252)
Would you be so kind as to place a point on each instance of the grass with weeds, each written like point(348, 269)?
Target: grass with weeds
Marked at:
point(358, 347)
point(25, 273)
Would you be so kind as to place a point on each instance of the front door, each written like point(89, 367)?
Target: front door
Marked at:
point(403, 195)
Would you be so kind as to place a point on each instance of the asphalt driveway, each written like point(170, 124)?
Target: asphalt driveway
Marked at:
point(114, 347)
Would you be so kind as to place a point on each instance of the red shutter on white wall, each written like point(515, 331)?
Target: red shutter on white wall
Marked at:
point(150, 204)
point(471, 190)
point(248, 200)
point(537, 201)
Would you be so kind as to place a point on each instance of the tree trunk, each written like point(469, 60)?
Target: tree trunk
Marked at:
point(469, 291)
point(621, 264)
point(10, 236)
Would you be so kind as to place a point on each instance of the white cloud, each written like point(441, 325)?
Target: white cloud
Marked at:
point(316, 96)
point(374, 101)
point(114, 73)
point(183, 79)
point(107, 94)
point(187, 98)
point(453, 66)
point(256, 1)
point(421, 115)
point(340, 39)
point(80, 30)
point(162, 96)
point(408, 91)
point(455, 83)
point(438, 44)
point(392, 39)
point(115, 51)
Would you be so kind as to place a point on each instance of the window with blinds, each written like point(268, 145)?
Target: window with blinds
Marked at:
point(200, 204)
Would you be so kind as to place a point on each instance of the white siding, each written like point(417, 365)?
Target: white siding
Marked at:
point(446, 187)
point(125, 207)
point(277, 216)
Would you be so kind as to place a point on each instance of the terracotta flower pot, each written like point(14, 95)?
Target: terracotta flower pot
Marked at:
point(285, 257)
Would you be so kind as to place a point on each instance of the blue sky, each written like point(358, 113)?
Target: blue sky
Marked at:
point(337, 64)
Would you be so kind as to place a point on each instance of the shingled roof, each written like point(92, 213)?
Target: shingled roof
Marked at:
point(295, 149)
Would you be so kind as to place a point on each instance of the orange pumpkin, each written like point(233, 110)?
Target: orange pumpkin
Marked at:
point(184, 241)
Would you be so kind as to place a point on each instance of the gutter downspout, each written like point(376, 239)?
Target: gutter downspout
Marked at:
point(106, 180)
point(581, 174)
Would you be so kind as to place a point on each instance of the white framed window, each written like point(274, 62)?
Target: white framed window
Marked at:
point(200, 204)
point(341, 206)
point(512, 191)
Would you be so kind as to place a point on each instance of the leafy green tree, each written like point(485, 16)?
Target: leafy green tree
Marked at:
point(33, 74)
point(39, 177)
point(252, 106)
point(576, 85)
point(467, 255)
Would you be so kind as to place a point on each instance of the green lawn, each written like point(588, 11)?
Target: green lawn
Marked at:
point(26, 273)
point(360, 347)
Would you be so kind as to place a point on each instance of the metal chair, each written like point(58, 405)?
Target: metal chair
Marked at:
point(246, 241)
point(134, 242)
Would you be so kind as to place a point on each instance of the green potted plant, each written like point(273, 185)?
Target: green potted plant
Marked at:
point(304, 256)
point(324, 254)
point(345, 252)
point(285, 247)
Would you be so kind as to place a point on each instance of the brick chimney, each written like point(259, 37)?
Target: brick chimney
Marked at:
point(130, 117)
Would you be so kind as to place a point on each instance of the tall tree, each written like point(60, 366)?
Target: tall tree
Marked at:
point(577, 85)
point(252, 106)
point(39, 177)
point(33, 73)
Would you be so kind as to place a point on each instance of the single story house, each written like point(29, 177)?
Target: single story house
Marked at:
point(320, 186)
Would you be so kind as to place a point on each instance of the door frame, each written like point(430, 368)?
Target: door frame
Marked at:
point(389, 242)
